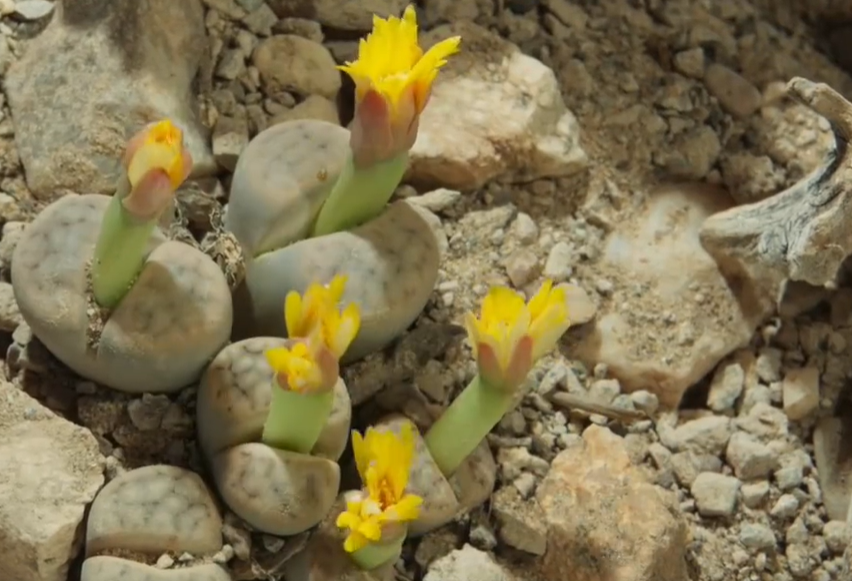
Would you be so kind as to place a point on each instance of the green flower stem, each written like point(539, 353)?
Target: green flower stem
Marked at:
point(296, 420)
point(466, 423)
point(360, 194)
point(375, 555)
point(120, 251)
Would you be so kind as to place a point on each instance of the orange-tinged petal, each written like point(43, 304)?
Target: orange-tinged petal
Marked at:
point(150, 195)
point(488, 364)
point(520, 363)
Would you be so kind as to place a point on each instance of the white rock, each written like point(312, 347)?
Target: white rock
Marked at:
point(757, 536)
point(715, 494)
point(33, 9)
point(653, 339)
point(437, 200)
point(494, 112)
point(230, 137)
point(785, 507)
point(749, 458)
point(467, 564)
point(525, 228)
point(726, 387)
point(707, 435)
point(50, 470)
point(558, 266)
point(801, 392)
point(72, 138)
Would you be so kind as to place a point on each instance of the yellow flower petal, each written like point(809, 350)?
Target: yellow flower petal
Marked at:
point(516, 333)
point(347, 520)
point(316, 315)
point(354, 542)
point(336, 288)
point(293, 314)
point(391, 61)
point(296, 366)
point(345, 329)
point(550, 318)
point(407, 509)
point(371, 529)
point(359, 450)
point(384, 460)
point(277, 357)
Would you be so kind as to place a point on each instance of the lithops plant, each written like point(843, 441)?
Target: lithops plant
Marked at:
point(324, 558)
point(273, 415)
point(309, 199)
point(108, 294)
point(403, 494)
point(414, 484)
point(507, 338)
point(145, 513)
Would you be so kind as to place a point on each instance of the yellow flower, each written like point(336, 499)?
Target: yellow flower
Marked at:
point(510, 335)
point(157, 163)
point(384, 460)
point(318, 313)
point(297, 368)
point(393, 80)
point(158, 147)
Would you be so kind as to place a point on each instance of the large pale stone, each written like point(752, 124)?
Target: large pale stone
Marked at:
point(99, 72)
point(50, 470)
point(494, 113)
point(605, 521)
point(673, 316)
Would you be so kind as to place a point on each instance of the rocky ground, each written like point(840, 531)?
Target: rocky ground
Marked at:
point(577, 140)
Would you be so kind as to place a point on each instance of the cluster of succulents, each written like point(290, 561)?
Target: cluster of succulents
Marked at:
point(109, 295)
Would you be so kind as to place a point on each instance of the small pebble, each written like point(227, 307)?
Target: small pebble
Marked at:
point(836, 539)
point(757, 536)
point(165, 561)
point(645, 401)
point(785, 507)
point(559, 264)
point(715, 494)
point(525, 228)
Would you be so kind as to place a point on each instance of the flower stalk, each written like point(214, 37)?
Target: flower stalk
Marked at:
point(377, 516)
point(360, 194)
point(295, 420)
point(507, 338)
point(393, 81)
point(466, 423)
point(306, 371)
point(154, 165)
point(374, 555)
